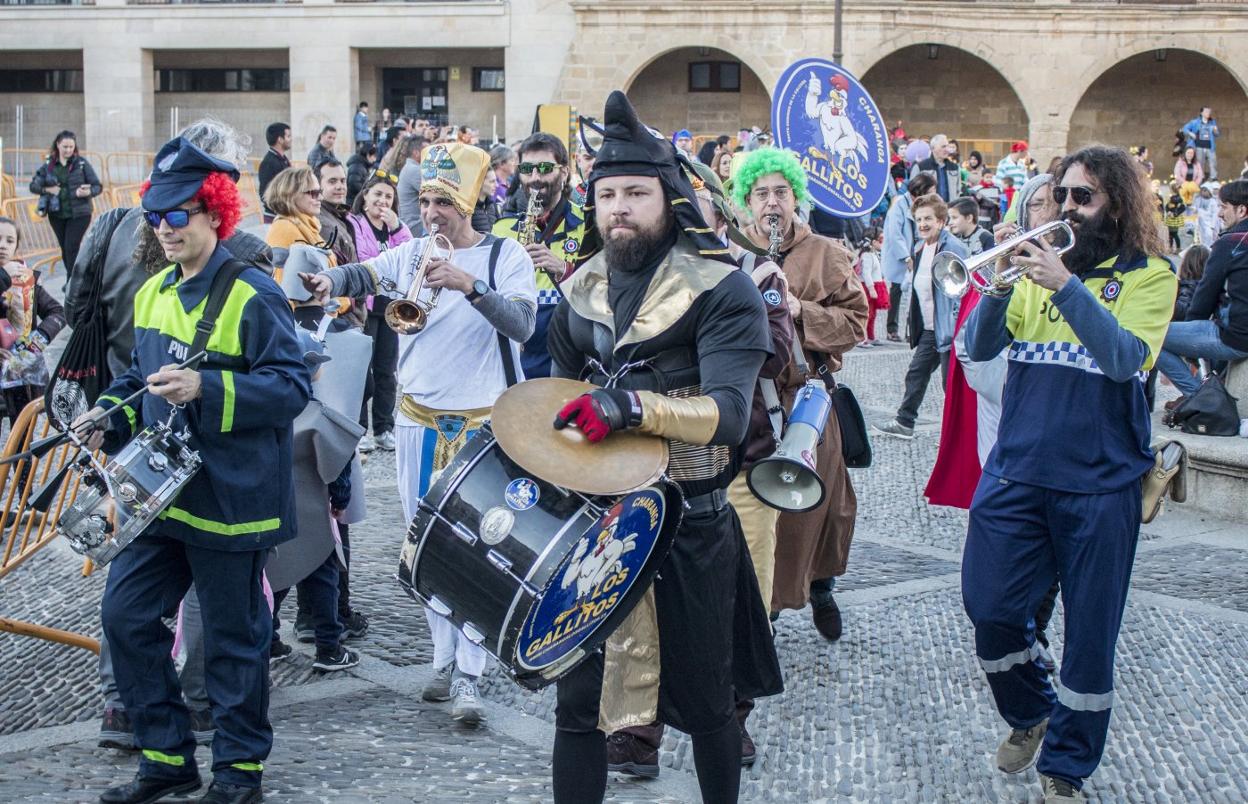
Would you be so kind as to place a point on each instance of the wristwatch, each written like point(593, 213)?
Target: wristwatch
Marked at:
point(479, 289)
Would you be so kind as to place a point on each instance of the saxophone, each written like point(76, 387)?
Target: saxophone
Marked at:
point(528, 230)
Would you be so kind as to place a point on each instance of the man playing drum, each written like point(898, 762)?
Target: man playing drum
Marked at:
point(238, 407)
point(675, 335)
point(451, 371)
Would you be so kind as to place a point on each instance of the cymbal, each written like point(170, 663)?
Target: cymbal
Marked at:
point(523, 422)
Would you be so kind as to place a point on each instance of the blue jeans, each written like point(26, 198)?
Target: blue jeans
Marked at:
point(1194, 339)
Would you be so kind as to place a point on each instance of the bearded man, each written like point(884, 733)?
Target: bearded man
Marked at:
point(1060, 494)
point(663, 310)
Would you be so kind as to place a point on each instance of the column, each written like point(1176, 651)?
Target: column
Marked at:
point(541, 37)
point(324, 82)
point(117, 86)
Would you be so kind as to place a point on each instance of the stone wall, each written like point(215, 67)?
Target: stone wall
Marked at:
point(481, 110)
point(1147, 101)
point(956, 93)
point(44, 113)
point(662, 97)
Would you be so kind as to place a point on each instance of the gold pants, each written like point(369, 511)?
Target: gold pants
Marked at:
point(758, 520)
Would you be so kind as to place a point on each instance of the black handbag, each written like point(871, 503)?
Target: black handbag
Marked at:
point(82, 373)
point(1210, 411)
point(855, 440)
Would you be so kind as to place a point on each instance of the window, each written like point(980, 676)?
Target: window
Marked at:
point(263, 79)
point(715, 76)
point(40, 80)
point(487, 79)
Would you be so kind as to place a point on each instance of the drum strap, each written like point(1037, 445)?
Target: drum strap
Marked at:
point(217, 294)
point(504, 345)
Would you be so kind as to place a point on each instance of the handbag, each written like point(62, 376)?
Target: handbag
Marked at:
point(82, 373)
point(1210, 411)
point(855, 441)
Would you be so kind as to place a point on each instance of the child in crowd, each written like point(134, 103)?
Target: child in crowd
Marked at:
point(1190, 272)
point(29, 320)
point(871, 273)
point(1007, 195)
point(1175, 218)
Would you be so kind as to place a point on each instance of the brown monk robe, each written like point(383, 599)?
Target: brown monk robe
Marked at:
point(815, 545)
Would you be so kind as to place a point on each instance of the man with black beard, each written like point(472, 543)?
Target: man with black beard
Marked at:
point(559, 231)
point(675, 335)
point(1060, 494)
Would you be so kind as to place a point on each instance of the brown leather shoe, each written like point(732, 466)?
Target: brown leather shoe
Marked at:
point(628, 753)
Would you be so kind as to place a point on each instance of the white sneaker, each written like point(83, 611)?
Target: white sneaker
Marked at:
point(467, 708)
point(438, 688)
point(367, 444)
point(386, 441)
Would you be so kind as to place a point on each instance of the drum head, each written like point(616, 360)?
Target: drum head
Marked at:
point(522, 422)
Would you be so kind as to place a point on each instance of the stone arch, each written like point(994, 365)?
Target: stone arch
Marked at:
point(1113, 109)
point(929, 86)
point(659, 87)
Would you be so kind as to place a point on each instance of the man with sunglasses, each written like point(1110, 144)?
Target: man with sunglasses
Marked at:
point(450, 372)
point(1060, 494)
point(241, 400)
point(559, 232)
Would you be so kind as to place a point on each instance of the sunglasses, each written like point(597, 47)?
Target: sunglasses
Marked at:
point(388, 176)
point(176, 218)
point(1082, 195)
point(312, 193)
point(542, 168)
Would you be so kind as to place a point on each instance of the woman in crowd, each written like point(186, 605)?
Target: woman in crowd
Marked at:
point(65, 184)
point(1188, 174)
point(358, 167)
point(375, 219)
point(295, 198)
point(504, 163)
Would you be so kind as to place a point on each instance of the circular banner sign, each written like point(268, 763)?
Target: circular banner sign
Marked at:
point(821, 112)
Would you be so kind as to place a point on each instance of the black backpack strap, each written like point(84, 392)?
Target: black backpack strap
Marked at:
point(217, 294)
point(504, 345)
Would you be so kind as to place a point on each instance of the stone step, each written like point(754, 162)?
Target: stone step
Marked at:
point(1217, 478)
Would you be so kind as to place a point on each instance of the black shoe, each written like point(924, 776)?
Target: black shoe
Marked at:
point(748, 752)
point(147, 791)
point(116, 731)
point(354, 625)
point(222, 793)
point(626, 753)
point(279, 651)
point(341, 659)
point(303, 629)
point(202, 726)
point(827, 617)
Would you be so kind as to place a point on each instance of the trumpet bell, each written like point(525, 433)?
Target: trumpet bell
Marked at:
point(406, 317)
point(951, 275)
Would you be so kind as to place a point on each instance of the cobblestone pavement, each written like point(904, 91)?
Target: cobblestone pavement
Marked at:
point(896, 711)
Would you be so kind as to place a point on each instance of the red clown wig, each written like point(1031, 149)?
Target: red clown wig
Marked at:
point(218, 194)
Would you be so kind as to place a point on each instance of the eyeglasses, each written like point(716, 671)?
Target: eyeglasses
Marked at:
point(1082, 195)
point(388, 176)
point(176, 218)
point(542, 168)
point(313, 194)
point(764, 193)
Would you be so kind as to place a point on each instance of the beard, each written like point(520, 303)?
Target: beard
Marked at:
point(150, 254)
point(1096, 240)
point(634, 251)
point(550, 189)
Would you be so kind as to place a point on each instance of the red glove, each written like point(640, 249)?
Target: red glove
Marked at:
point(601, 412)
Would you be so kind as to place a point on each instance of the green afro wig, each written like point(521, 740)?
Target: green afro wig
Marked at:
point(762, 162)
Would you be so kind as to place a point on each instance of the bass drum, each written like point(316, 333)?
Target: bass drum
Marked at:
point(537, 575)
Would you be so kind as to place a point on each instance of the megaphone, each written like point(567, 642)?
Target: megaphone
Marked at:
point(789, 480)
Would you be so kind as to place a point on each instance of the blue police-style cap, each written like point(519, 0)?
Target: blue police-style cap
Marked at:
point(179, 172)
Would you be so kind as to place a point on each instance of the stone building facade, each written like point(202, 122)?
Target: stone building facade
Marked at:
point(1059, 73)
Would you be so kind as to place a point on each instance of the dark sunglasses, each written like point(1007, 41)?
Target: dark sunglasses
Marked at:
point(176, 218)
point(1082, 195)
point(542, 168)
point(388, 176)
point(312, 193)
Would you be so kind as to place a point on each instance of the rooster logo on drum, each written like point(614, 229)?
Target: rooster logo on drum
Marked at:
point(591, 565)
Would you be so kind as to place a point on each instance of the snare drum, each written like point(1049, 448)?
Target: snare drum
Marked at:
point(114, 506)
point(537, 575)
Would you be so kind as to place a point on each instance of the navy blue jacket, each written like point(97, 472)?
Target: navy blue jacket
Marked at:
point(254, 385)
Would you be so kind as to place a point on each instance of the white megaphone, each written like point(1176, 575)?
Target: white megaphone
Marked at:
point(789, 480)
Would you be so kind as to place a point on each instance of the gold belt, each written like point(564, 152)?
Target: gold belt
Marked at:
point(452, 426)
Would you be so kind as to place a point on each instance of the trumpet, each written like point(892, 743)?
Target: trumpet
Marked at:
point(955, 275)
point(409, 315)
